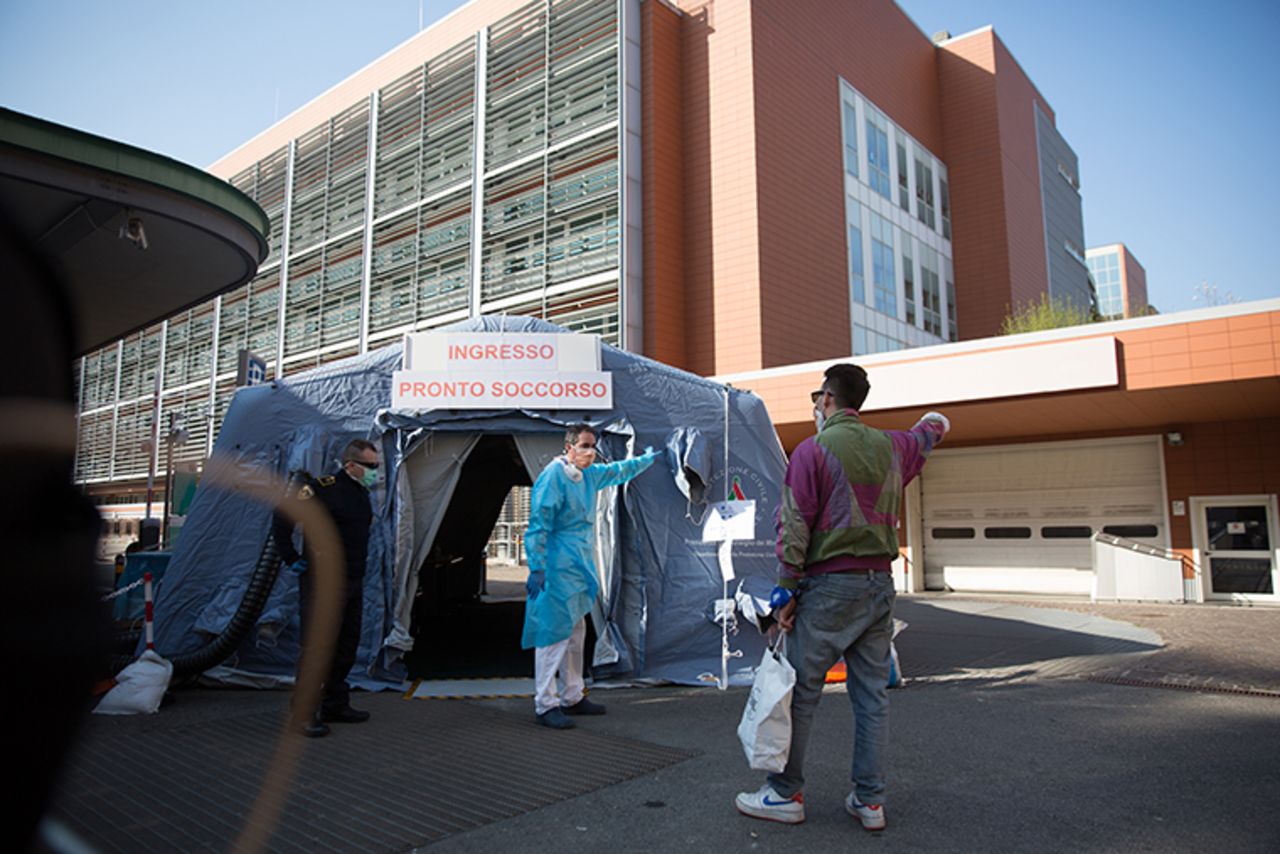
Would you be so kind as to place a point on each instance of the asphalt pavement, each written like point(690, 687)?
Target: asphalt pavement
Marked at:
point(1025, 725)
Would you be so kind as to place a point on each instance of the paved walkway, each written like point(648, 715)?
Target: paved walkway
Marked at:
point(1000, 743)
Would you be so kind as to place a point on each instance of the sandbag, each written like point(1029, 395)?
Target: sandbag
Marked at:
point(139, 687)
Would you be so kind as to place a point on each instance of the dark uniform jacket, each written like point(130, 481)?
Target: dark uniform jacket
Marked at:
point(348, 503)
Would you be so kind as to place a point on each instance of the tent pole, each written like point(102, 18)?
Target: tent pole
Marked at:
point(724, 581)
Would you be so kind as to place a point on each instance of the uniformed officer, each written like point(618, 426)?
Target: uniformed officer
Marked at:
point(345, 495)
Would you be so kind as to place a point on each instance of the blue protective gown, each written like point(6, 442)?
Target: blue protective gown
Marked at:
point(560, 542)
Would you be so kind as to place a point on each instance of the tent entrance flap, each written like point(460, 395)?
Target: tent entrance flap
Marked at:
point(464, 622)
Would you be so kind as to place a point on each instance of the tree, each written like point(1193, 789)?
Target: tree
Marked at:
point(1208, 295)
point(1046, 313)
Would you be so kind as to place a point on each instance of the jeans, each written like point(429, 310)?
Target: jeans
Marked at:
point(850, 616)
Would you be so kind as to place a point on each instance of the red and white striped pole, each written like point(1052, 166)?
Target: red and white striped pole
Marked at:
point(146, 590)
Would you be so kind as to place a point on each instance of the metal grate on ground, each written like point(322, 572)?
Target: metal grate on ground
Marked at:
point(418, 773)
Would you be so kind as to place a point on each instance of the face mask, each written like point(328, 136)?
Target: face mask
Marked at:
point(819, 418)
point(369, 479)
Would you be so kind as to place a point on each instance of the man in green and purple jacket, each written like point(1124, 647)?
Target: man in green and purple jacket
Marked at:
point(837, 539)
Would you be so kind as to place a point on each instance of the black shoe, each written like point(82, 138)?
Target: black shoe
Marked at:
point(344, 715)
point(313, 728)
point(555, 719)
point(584, 707)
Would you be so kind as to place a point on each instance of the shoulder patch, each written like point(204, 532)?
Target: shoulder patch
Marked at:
point(306, 492)
point(327, 480)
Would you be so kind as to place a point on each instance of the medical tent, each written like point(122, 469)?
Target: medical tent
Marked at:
point(660, 581)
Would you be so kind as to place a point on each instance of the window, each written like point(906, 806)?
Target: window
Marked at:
point(1131, 531)
point(944, 203)
point(904, 191)
point(850, 138)
point(953, 533)
point(908, 277)
point(1066, 532)
point(930, 294)
point(1007, 533)
point(857, 283)
point(882, 276)
point(877, 153)
point(951, 299)
point(924, 192)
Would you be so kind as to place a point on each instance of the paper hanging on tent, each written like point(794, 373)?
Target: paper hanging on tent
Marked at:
point(725, 554)
point(730, 520)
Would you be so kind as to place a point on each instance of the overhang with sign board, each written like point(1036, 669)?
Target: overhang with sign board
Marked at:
point(496, 370)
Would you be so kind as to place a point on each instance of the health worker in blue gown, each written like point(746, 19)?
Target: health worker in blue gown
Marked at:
point(563, 581)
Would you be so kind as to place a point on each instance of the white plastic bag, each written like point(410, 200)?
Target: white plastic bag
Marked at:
point(765, 730)
point(139, 687)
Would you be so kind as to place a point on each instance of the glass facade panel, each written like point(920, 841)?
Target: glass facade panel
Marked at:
point(850, 114)
point(877, 154)
point(882, 274)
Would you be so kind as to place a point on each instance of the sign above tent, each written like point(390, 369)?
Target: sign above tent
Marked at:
point(501, 370)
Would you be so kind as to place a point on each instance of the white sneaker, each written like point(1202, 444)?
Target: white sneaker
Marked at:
point(768, 804)
point(871, 815)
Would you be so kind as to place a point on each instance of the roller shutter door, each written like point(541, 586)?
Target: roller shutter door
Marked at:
point(1019, 518)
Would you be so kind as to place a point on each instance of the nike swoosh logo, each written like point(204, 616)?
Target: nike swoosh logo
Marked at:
point(770, 803)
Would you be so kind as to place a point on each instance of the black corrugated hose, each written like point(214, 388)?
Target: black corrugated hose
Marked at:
point(255, 596)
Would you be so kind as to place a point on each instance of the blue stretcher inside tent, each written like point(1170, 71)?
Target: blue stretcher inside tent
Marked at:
point(446, 475)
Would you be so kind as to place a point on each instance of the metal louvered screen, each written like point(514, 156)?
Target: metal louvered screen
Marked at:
point(549, 241)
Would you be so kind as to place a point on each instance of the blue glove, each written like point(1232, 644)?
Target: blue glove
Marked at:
point(533, 586)
point(780, 597)
point(298, 567)
point(649, 451)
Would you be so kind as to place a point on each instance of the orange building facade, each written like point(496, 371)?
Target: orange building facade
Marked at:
point(1160, 433)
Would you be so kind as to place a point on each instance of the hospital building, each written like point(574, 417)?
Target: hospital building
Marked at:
point(749, 190)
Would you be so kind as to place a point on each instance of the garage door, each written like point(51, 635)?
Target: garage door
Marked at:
point(1019, 518)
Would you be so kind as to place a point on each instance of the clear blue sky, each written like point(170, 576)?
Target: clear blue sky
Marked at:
point(1173, 106)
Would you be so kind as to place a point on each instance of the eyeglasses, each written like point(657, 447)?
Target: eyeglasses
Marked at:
point(590, 447)
point(363, 464)
point(815, 396)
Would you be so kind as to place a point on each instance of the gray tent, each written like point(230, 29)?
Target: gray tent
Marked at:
point(659, 581)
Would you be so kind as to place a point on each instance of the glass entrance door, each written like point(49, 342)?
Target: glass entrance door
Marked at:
point(1238, 541)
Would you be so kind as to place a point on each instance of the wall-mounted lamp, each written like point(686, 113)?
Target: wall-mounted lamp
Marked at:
point(1174, 439)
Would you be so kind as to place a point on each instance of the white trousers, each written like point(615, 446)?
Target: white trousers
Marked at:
point(563, 658)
